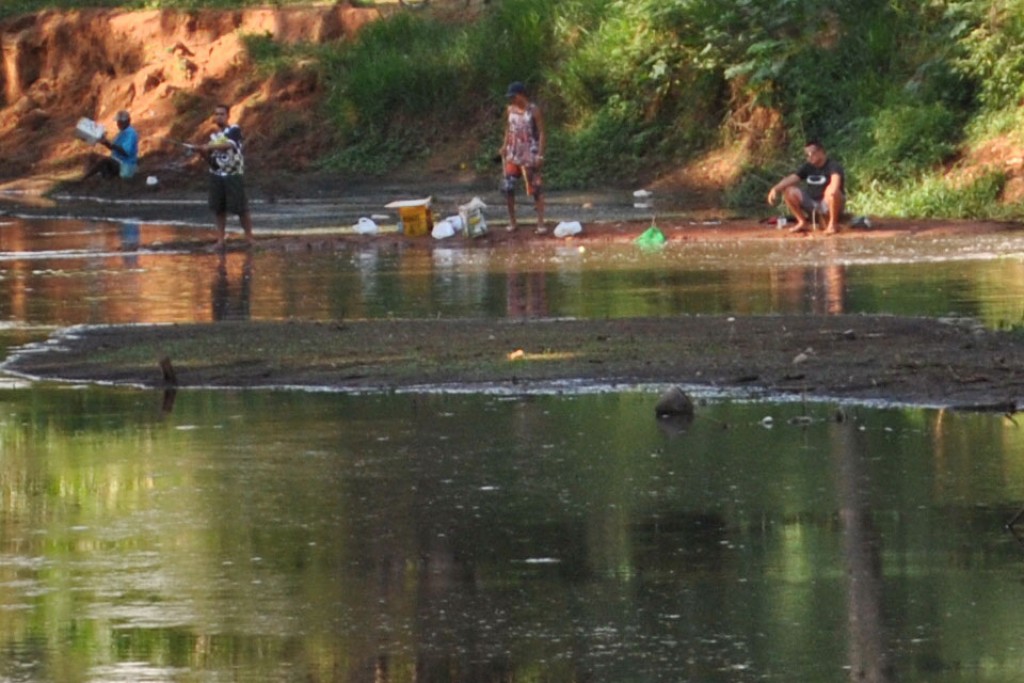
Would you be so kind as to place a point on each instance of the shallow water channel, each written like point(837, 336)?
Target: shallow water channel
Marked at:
point(319, 536)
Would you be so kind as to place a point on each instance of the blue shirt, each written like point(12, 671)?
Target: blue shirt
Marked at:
point(128, 140)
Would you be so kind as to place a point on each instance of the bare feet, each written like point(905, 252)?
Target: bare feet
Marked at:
point(798, 228)
point(831, 230)
point(512, 227)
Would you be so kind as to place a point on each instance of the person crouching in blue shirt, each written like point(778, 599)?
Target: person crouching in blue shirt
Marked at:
point(124, 151)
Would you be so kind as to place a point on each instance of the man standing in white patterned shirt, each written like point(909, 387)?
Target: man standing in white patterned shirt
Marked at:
point(227, 189)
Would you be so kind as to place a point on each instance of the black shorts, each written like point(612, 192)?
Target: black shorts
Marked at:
point(227, 194)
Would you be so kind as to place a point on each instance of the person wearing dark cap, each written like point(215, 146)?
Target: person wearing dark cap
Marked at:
point(522, 153)
point(124, 151)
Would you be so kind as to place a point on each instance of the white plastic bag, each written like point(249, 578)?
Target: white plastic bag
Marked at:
point(568, 229)
point(366, 226)
point(443, 230)
point(458, 225)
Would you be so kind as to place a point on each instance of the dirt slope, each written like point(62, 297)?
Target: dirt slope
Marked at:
point(168, 68)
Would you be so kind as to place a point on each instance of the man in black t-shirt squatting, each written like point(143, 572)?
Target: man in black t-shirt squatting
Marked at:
point(824, 191)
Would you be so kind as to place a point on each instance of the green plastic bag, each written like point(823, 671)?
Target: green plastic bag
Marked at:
point(651, 237)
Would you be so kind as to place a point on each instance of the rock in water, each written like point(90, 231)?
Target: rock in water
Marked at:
point(674, 402)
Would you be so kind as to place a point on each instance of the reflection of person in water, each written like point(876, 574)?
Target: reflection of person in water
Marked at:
point(130, 241)
point(229, 304)
point(817, 290)
point(527, 297)
point(863, 553)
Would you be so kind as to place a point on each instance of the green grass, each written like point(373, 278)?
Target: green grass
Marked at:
point(933, 196)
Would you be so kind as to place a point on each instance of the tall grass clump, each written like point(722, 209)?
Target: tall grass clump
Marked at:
point(991, 38)
point(934, 196)
point(411, 79)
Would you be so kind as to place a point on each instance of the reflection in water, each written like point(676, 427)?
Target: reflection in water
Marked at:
point(272, 536)
point(526, 295)
point(68, 272)
point(233, 301)
point(869, 658)
point(130, 241)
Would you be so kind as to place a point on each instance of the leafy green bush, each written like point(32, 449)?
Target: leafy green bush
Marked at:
point(992, 33)
point(906, 140)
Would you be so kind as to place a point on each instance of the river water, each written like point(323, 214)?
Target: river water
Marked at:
point(318, 536)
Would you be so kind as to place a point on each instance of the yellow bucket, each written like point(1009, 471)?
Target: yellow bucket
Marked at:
point(414, 216)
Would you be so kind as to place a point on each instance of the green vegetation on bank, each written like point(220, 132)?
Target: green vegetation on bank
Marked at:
point(897, 89)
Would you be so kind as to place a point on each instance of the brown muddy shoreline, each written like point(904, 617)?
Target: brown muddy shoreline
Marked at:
point(948, 363)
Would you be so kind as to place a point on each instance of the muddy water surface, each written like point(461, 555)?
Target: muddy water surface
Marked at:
point(295, 537)
point(70, 272)
point(285, 536)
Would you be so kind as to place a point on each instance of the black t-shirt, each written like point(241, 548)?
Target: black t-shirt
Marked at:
point(817, 177)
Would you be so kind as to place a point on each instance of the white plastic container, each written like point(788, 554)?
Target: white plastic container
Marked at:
point(89, 131)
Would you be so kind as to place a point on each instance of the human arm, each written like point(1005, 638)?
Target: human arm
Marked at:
point(542, 137)
point(779, 187)
point(114, 146)
point(222, 147)
point(125, 146)
point(835, 185)
point(228, 138)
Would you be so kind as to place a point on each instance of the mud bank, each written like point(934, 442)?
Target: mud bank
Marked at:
point(907, 360)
